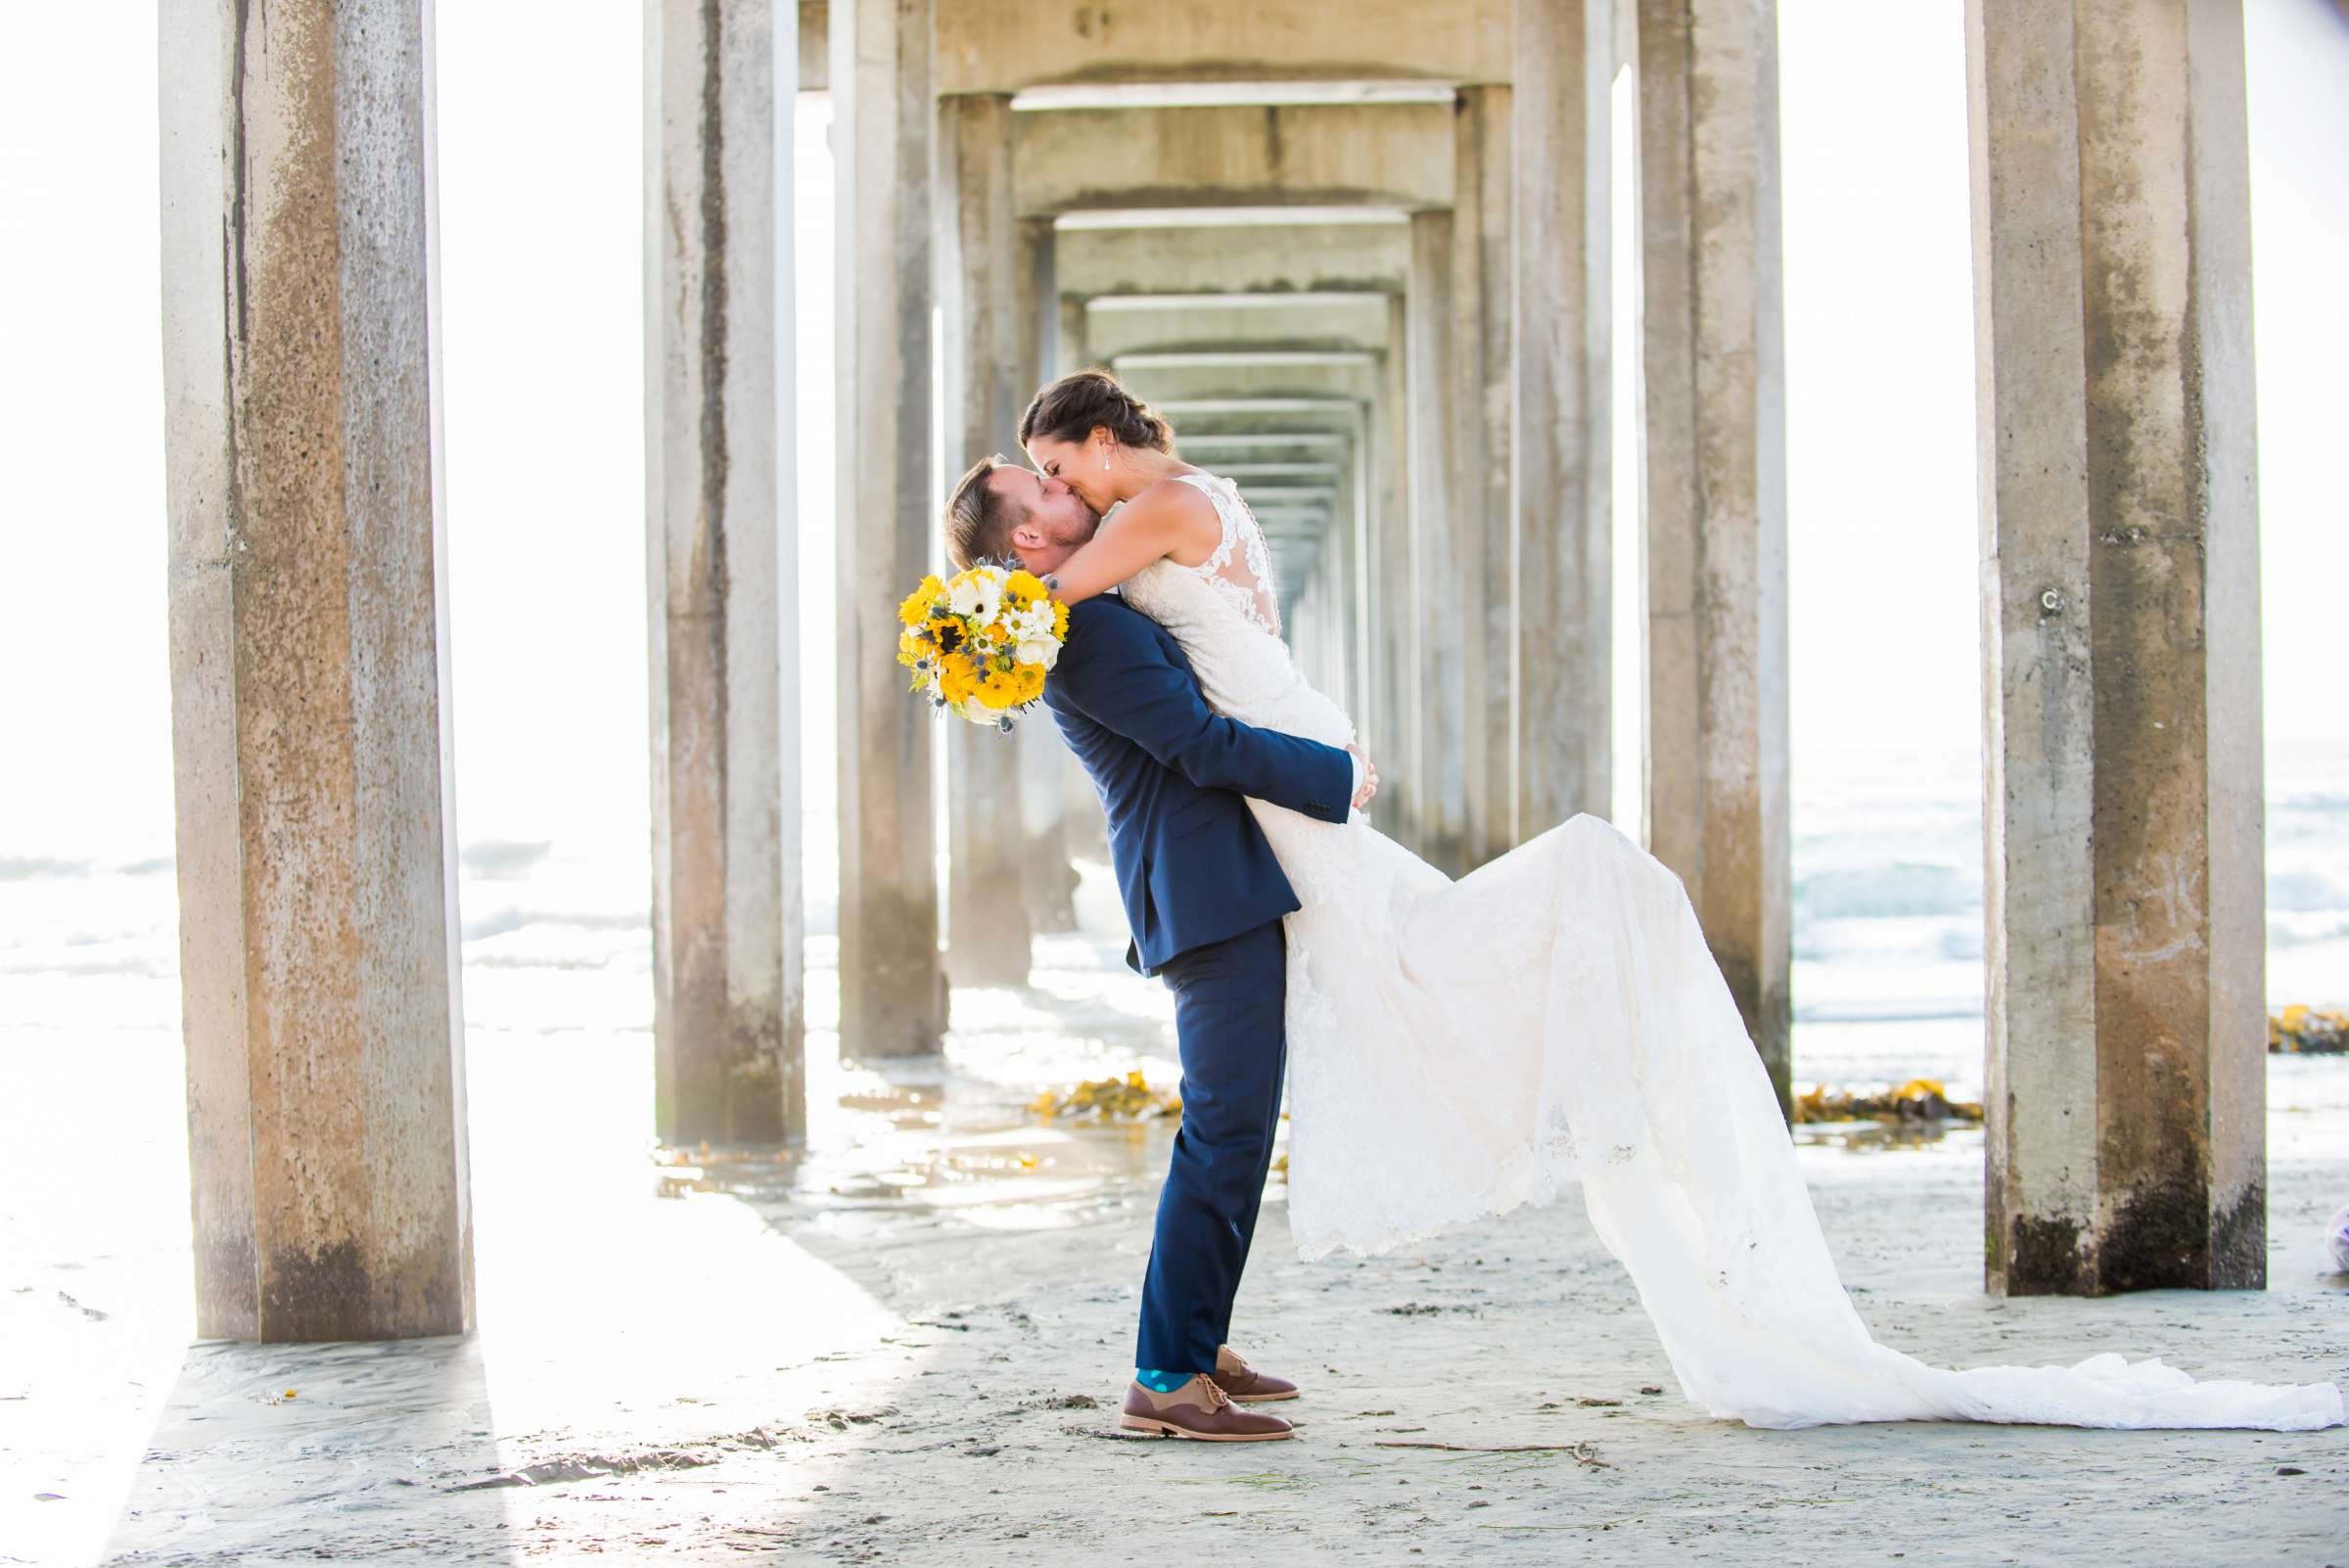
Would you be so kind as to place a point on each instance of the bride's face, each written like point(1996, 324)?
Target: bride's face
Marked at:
point(1085, 467)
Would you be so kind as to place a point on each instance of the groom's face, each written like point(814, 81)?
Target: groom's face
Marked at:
point(1055, 518)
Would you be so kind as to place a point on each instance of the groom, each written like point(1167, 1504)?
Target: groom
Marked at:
point(1204, 897)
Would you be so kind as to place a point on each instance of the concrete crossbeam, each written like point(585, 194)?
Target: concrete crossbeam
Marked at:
point(1301, 256)
point(1190, 384)
point(1381, 155)
point(991, 47)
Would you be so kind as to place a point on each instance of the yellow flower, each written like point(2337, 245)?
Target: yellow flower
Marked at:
point(910, 647)
point(956, 680)
point(999, 689)
point(1024, 585)
point(946, 634)
point(1030, 679)
point(1059, 620)
point(916, 608)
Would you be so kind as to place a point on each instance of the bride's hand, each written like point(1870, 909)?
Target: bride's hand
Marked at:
point(1362, 797)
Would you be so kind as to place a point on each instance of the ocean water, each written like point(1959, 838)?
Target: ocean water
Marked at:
point(1887, 977)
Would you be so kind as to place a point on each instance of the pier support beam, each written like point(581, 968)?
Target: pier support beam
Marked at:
point(1394, 670)
point(987, 355)
point(1565, 58)
point(1049, 878)
point(1714, 362)
point(2120, 614)
point(893, 991)
point(310, 719)
point(1485, 520)
point(1440, 584)
point(728, 1018)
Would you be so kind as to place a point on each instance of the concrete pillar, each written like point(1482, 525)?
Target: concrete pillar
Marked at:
point(1069, 340)
point(1565, 60)
point(1394, 668)
point(1355, 498)
point(893, 993)
point(728, 1018)
point(1716, 529)
point(1049, 878)
point(988, 351)
point(2120, 623)
point(310, 719)
point(1084, 830)
point(1440, 582)
point(1483, 509)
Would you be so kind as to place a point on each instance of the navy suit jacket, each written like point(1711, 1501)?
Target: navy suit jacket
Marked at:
point(1191, 863)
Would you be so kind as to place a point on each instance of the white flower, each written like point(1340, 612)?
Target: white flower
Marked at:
point(1039, 651)
point(964, 597)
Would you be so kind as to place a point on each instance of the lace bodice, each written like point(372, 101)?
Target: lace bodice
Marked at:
point(1222, 613)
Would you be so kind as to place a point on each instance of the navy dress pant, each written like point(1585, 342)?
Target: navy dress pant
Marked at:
point(1228, 1001)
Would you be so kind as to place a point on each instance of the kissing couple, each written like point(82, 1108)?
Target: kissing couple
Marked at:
point(1452, 1050)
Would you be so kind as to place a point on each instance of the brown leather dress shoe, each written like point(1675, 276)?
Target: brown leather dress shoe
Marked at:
point(1244, 1383)
point(1198, 1410)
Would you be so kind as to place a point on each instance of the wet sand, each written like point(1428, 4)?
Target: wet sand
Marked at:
point(905, 1347)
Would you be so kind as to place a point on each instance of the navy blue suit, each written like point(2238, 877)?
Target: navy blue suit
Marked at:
point(1204, 895)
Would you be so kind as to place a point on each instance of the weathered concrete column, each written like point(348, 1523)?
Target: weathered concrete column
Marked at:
point(2120, 614)
point(310, 719)
point(893, 992)
point(988, 349)
point(1357, 495)
point(1440, 578)
point(1565, 61)
point(1484, 521)
point(1049, 878)
point(728, 1020)
point(1395, 669)
point(1714, 367)
point(1084, 829)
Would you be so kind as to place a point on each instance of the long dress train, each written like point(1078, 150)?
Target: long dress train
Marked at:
point(1555, 1017)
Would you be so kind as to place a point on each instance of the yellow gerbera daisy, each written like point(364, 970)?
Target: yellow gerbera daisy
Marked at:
point(1000, 689)
point(1026, 586)
point(916, 607)
point(956, 680)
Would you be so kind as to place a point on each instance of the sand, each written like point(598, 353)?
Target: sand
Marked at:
point(907, 1348)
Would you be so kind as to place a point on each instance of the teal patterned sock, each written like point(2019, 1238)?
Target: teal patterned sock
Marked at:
point(1158, 1382)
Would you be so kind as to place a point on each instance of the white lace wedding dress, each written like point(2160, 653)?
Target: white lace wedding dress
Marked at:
point(1555, 1018)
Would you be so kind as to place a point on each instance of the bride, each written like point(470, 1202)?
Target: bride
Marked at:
point(1553, 1018)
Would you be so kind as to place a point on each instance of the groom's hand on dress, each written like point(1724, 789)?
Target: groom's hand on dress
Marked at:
point(1365, 777)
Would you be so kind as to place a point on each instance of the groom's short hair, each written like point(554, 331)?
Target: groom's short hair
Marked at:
point(979, 519)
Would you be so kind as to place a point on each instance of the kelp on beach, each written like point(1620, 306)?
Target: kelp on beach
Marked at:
point(2308, 1032)
point(1920, 1099)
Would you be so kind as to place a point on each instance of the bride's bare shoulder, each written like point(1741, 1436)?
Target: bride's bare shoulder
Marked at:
point(1182, 512)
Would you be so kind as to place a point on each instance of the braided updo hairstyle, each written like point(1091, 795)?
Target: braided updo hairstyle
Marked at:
point(1073, 407)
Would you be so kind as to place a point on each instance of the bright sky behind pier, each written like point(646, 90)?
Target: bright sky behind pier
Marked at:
point(541, 147)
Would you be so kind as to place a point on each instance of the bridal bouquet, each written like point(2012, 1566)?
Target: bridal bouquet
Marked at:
point(982, 641)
